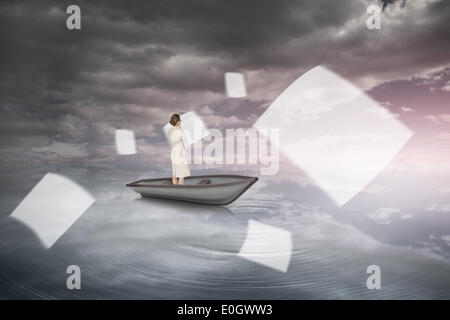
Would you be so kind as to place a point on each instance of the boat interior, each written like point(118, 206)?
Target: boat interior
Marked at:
point(193, 180)
point(203, 181)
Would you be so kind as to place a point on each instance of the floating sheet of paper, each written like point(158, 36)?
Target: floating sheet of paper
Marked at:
point(125, 142)
point(267, 245)
point(193, 126)
point(52, 206)
point(235, 85)
point(333, 131)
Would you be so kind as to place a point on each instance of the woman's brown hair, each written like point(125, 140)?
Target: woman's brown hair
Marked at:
point(174, 119)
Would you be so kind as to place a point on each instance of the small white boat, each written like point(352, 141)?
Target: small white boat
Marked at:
point(209, 189)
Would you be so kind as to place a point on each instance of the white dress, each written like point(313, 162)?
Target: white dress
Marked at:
point(178, 155)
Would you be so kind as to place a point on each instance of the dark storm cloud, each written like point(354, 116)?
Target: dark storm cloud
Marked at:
point(138, 38)
point(133, 63)
point(385, 3)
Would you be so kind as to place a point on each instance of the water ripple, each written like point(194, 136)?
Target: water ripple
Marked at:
point(164, 249)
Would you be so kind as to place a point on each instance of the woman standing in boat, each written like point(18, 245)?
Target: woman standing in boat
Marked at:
point(178, 156)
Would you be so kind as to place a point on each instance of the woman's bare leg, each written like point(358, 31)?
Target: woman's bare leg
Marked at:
point(174, 180)
point(181, 181)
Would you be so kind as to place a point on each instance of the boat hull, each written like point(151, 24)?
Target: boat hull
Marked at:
point(223, 189)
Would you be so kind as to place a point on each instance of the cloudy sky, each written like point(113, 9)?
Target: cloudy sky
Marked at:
point(133, 64)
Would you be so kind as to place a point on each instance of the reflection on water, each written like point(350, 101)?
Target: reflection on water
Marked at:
point(147, 248)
